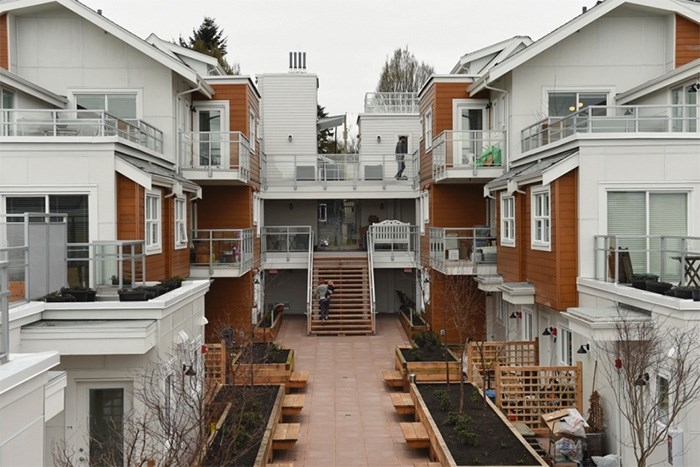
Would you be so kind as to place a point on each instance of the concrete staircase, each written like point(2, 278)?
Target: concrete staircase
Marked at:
point(350, 311)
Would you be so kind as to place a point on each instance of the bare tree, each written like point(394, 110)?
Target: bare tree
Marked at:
point(655, 378)
point(403, 73)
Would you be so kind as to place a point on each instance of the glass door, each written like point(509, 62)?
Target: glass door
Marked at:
point(209, 127)
point(337, 224)
point(469, 124)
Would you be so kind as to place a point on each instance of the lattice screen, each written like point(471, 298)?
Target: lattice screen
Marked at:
point(524, 393)
point(499, 353)
point(215, 364)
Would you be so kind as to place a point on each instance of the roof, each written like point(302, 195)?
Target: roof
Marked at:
point(545, 170)
point(20, 84)
point(165, 59)
point(177, 51)
point(686, 8)
point(683, 73)
point(332, 121)
point(466, 79)
point(500, 50)
point(233, 79)
point(146, 174)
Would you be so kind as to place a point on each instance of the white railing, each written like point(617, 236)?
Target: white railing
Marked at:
point(108, 263)
point(78, 123)
point(464, 245)
point(213, 151)
point(613, 119)
point(351, 170)
point(372, 291)
point(391, 103)
point(672, 258)
point(467, 150)
point(4, 313)
point(309, 284)
point(392, 236)
point(286, 239)
point(223, 249)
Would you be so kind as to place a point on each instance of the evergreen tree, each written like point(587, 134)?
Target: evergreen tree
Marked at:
point(403, 73)
point(209, 39)
point(325, 144)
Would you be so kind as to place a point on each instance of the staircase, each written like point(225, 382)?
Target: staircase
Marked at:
point(350, 311)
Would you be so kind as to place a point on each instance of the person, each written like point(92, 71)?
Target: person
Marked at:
point(401, 151)
point(323, 299)
point(329, 294)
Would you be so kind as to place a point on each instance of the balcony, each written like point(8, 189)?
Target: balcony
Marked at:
point(338, 172)
point(215, 156)
point(287, 246)
point(43, 123)
point(635, 119)
point(468, 154)
point(391, 103)
point(112, 263)
point(222, 252)
point(394, 244)
point(464, 250)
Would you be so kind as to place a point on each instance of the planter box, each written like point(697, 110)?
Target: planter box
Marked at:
point(134, 295)
point(411, 329)
point(81, 295)
point(262, 373)
point(426, 372)
point(269, 334)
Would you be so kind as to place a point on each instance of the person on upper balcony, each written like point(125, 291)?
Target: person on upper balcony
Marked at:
point(401, 151)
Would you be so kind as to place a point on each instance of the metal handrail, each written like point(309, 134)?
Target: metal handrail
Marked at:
point(391, 102)
point(215, 151)
point(237, 250)
point(476, 237)
point(372, 292)
point(468, 150)
point(309, 281)
point(99, 255)
point(4, 313)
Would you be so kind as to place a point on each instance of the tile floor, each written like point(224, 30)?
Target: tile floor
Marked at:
point(348, 419)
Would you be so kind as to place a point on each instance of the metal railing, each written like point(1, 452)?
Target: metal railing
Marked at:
point(468, 150)
point(462, 246)
point(349, 170)
point(613, 119)
point(223, 249)
point(672, 258)
point(394, 238)
point(78, 123)
point(213, 151)
point(286, 239)
point(309, 284)
point(4, 313)
point(391, 103)
point(107, 263)
point(372, 291)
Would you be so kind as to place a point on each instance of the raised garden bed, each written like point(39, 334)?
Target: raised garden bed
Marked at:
point(262, 363)
point(480, 436)
point(243, 438)
point(419, 325)
point(428, 366)
point(268, 328)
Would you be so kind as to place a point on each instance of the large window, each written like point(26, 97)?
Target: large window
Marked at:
point(507, 220)
point(153, 222)
point(120, 105)
point(7, 102)
point(645, 213)
point(685, 108)
point(663, 396)
point(428, 129)
point(561, 104)
point(180, 223)
point(541, 218)
point(75, 206)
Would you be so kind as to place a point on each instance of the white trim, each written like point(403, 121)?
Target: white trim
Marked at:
point(535, 243)
point(180, 222)
point(563, 332)
point(133, 173)
point(428, 130)
point(507, 241)
point(156, 247)
point(609, 91)
point(109, 91)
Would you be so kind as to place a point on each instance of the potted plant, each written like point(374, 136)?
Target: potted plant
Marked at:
point(696, 294)
point(658, 287)
point(58, 296)
point(595, 435)
point(172, 283)
point(137, 294)
point(639, 281)
point(684, 292)
point(81, 294)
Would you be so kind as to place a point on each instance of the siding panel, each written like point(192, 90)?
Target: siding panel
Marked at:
point(687, 41)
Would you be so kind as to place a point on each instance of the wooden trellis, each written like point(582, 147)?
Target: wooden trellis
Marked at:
point(499, 353)
point(524, 393)
point(215, 364)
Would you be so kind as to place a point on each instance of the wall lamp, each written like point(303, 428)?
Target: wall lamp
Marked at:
point(426, 280)
point(379, 138)
point(642, 380)
point(290, 138)
point(187, 370)
point(585, 348)
point(516, 315)
point(694, 88)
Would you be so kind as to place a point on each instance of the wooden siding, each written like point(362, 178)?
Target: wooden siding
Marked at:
point(687, 41)
point(457, 206)
point(228, 304)
point(225, 207)
point(4, 42)
point(510, 259)
point(444, 293)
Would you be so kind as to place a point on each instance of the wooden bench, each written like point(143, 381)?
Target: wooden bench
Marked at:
point(292, 404)
point(392, 234)
point(286, 436)
point(402, 403)
point(415, 435)
point(297, 380)
point(393, 378)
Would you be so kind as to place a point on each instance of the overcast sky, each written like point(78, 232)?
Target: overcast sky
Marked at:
point(346, 41)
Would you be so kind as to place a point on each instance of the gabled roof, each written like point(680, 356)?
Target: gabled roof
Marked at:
point(20, 84)
point(545, 170)
point(167, 60)
point(500, 50)
point(686, 8)
point(177, 51)
point(677, 76)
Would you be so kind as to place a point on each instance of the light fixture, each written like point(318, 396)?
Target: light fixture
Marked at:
point(426, 280)
point(181, 337)
point(203, 321)
point(291, 206)
point(379, 139)
point(256, 281)
point(550, 331)
point(585, 348)
point(513, 316)
point(694, 88)
point(546, 332)
point(642, 380)
point(290, 138)
point(187, 370)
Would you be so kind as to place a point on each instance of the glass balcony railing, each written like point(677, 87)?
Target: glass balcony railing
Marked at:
point(285, 240)
point(468, 150)
point(111, 263)
point(78, 123)
point(613, 119)
point(391, 103)
point(394, 239)
point(213, 151)
point(223, 249)
point(622, 258)
point(349, 170)
point(464, 246)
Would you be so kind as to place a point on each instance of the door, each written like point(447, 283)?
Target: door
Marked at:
point(469, 122)
point(338, 224)
point(211, 128)
point(101, 410)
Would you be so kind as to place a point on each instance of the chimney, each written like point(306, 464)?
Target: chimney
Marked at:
point(584, 9)
point(99, 12)
point(297, 62)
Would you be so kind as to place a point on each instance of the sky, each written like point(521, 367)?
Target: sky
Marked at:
point(346, 41)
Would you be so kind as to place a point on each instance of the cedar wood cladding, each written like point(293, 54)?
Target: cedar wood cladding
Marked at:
point(687, 41)
point(228, 304)
point(4, 43)
point(450, 291)
point(131, 226)
point(553, 273)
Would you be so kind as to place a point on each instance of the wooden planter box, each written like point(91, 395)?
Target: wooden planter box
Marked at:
point(426, 372)
point(411, 329)
point(269, 334)
point(438, 446)
point(262, 373)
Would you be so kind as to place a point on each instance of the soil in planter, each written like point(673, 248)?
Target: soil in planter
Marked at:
point(238, 440)
point(489, 441)
point(426, 355)
point(264, 352)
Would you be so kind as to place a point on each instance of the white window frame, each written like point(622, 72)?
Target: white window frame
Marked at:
point(428, 129)
point(104, 92)
point(501, 310)
point(507, 221)
point(657, 396)
point(541, 218)
point(424, 210)
point(252, 130)
point(257, 213)
point(546, 91)
point(180, 222)
point(153, 221)
point(527, 324)
point(566, 354)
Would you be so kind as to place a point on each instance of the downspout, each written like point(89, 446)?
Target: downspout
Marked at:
point(508, 121)
point(177, 136)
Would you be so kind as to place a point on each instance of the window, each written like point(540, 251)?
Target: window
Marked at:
point(252, 130)
point(428, 129)
point(153, 231)
point(7, 102)
point(424, 210)
point(527, 326)
point(180, 223)
point(561, 104)
point(76, 206)
point(507, 220)
point(120, 105)
point(685, 108)
point(663, 397)
point(541, 220)
point(565, 349)
point(501, 310)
